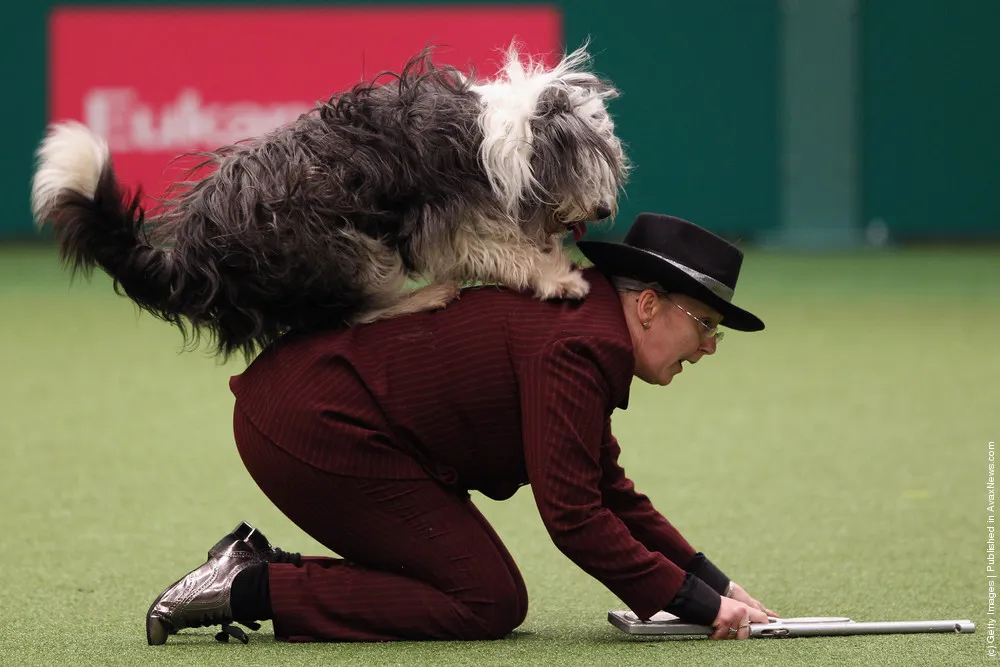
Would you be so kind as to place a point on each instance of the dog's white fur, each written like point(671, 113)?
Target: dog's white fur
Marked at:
point(71, 159)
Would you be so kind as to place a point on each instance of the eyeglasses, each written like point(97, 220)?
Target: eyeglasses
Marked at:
point(710, 331)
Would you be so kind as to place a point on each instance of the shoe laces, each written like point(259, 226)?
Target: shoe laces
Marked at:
point(230, 630)
point(279, 556)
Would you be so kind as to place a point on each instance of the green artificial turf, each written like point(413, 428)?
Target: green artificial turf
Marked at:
point(834, 464)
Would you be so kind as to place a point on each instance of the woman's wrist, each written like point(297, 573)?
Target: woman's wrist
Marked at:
point(705, 570)
point(695, 602)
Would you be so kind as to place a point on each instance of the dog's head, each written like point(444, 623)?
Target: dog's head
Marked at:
point(549, 146)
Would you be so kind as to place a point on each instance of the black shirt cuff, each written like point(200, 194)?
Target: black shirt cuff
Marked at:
point(695, 602)
point(703, 568)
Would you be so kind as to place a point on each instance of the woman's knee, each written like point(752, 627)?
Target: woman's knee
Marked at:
point(503, 610)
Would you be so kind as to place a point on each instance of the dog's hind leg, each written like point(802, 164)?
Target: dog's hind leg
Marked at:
point(431, 297)
point(384, 277)
point(511, 259)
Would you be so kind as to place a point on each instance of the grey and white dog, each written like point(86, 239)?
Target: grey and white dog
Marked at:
point(430, 176)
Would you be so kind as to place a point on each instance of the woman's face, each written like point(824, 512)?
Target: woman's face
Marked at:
point(664, 335)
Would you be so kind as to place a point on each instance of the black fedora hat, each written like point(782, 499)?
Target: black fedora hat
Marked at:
point(680, 257)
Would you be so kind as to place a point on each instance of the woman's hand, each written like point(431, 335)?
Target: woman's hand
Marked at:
point(740, 595)
point(734, 619)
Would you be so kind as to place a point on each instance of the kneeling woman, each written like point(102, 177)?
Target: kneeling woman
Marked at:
point(370, 439)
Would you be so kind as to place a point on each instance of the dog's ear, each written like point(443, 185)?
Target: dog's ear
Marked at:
point(561, 142)
point(553, 101)
point(576, 158)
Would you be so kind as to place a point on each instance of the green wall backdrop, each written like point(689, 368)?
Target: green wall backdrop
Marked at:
point(930, 101)
point(701, 105)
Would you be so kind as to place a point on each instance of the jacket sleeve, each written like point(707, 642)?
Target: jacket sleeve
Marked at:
point(566, 397)
point(645, 523)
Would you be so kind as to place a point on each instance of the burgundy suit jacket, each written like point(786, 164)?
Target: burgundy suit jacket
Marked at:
point(493, 392)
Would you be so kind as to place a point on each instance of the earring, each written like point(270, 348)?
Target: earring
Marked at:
point(645, 325)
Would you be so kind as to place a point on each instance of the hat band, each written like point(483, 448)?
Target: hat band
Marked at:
point(724, 292)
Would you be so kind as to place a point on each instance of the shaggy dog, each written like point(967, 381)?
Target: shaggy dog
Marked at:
point(431, 176)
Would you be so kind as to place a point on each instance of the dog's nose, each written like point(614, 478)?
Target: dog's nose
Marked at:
point(602, 211)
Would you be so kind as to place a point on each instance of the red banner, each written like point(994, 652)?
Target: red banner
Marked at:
point(160, 82)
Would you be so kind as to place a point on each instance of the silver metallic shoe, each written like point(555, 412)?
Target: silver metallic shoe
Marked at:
point(202, 597)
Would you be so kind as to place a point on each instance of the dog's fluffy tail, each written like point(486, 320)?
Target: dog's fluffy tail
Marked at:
point(94, 222)
point(244, 302)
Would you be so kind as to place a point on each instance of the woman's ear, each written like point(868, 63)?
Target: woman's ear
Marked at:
point(649, 304)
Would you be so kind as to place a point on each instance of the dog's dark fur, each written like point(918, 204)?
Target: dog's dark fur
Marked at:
point(322, 222)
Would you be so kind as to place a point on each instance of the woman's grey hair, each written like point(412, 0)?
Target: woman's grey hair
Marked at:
point(623, 284)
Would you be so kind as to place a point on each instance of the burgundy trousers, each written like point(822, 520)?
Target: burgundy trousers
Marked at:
point(419, 561)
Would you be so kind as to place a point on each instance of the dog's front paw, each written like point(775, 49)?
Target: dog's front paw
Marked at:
point(566, 286)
